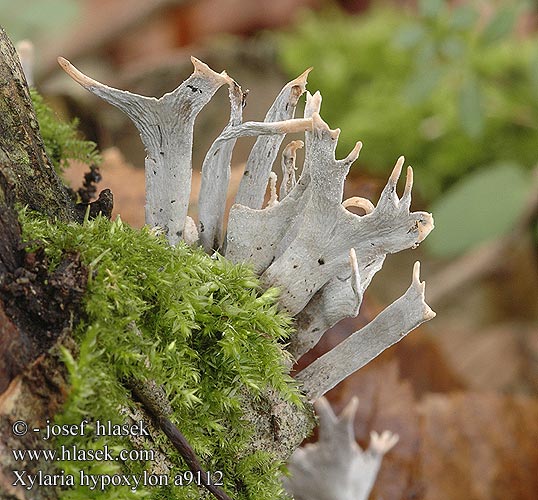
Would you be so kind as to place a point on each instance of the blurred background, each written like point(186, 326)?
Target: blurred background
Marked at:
point(453, 86)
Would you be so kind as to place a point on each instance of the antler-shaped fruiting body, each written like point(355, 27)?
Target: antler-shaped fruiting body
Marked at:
point(389, 327)
point(216, 166)
point(264, 152)
point(336, 468)
point(308, 244)
point(302, 245)
point(166, 129)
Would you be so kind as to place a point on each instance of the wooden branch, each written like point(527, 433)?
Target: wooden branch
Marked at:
point(37, 307)
point(152, 397)
point(251, 190)
point(389, 327)
point(185, 450)
point(166, 128)
point(336, 468)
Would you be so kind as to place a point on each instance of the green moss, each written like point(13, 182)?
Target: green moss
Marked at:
point(21, 157)
point(206, 332)
point(61, 139)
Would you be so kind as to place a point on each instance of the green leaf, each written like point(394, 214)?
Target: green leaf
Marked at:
point(421, 85)
point(430, 8)
point(484, 206)
point(500, 25)
point(471, 108)
point(453, 48)
point(409, 36)
point(464, 17)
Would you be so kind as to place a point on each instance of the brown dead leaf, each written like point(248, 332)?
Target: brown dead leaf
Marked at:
point(452, 446)
point(479, 447)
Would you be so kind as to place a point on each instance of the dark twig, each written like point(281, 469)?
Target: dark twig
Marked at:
point(151, 396)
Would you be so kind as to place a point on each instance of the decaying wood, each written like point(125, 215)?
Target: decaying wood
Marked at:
point(36, 307)
point(336, 468)
point(26, 174)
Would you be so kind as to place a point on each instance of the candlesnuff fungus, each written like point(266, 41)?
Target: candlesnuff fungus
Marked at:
point(390, 326)
point(336, 468)
point(320, 255)
point(166, 129)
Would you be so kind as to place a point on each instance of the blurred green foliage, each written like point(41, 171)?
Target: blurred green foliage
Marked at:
point(37, 19)
point(483, 207)
point(453, 89)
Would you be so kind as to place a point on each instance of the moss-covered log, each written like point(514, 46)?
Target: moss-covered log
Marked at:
point(26, 175)
point(34, 311)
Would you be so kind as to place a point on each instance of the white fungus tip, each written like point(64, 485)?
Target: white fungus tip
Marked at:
point(350, 410)
point(77, 75)
point(203, 69)
point(301, 80)
point(397, 170)
point(416, 273)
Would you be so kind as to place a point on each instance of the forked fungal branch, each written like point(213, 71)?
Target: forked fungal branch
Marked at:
point(320, 255)
point(336, 468)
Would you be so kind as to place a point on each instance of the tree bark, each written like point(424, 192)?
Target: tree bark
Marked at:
point(26, 175)
point(35, 307)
